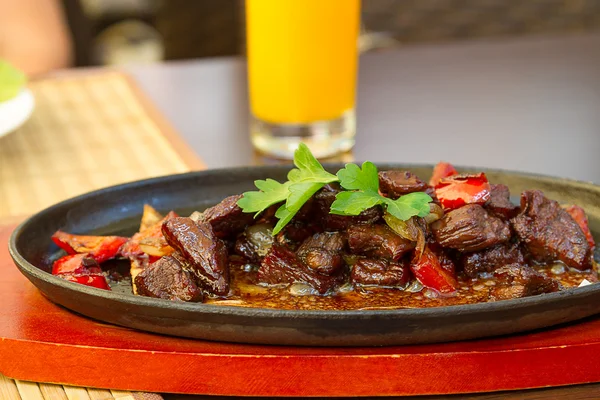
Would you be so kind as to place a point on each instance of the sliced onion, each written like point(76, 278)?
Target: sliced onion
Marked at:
point(420, 248)
point(414, 287)
point(350, 259)
point(431, 294)
point(260, 236)
point(412, 229)
point(435, 212)
point(302, 289)
point(406, 229)
point(558, 269)
point(345, 288)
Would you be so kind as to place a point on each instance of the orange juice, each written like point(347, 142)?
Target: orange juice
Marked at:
point(302, 59)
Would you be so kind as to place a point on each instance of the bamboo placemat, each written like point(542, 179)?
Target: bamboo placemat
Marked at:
point(88, 131)
point(21, 390)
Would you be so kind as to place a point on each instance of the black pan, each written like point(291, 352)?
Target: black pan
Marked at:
point(116, 210)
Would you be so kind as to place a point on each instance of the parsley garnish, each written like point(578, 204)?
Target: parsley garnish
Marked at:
point(364, 186)
point(303, 182)
point(309, 176)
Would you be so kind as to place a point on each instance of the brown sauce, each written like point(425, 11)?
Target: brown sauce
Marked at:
point(247, 293)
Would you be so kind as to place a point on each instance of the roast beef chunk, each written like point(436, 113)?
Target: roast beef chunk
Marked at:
point(295, 232)
point(281, 265)
point(549, 233)
point(470, 228)
point(394, 184)
point(499, 203)
point(446, 257)
point(515, 281)
point(492, 258)
point(380, 272)
point(243, 247)
point(203, 250)
point(333, 241)
point(333, 222)
point(322, 252)
point(167, 279)
point(227, 218)
point(322, 261)
point(330, 222)
point(378, 241)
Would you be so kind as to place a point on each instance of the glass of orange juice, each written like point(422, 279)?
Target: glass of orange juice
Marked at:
point(302, 64)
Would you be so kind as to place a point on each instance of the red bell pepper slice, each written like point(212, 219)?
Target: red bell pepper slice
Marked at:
point(458, 190)
point(100, 248)
point(429, 272)
point(440, 171)
point(578, 214)
point(93, 280)
point(75, 263)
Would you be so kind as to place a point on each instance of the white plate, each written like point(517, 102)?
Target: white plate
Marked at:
point(14, 112)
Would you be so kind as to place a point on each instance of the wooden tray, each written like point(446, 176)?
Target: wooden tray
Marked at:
point(43, 342)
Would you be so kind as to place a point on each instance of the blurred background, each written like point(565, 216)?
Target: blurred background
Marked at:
point(117, 32)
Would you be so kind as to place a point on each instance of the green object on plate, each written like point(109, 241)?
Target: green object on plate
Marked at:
point(11, 81)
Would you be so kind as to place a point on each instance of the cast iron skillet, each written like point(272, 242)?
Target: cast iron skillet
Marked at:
point(117, 210)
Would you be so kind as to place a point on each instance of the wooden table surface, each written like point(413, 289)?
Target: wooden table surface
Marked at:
point(526, 104)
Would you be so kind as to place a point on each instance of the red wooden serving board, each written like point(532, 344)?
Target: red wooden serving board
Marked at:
point(43, 342)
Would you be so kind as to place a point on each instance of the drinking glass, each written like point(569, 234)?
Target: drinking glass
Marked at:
point(302, 64)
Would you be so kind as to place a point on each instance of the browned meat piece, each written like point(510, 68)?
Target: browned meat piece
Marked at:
point(243, 247)
point(295, 232)
point(322, 261)
point(333, 222)
point(205, 252)
point(431, 192)
point(470, 228)
point(227, 218)
point(333, 241)
point(378, 241)
point(330, 222)
point(281, 265)
point(322, 252)
point(445, 257)
point(521, 281)
point(380, 273)
point(550, 233)
point(167, 279)
point(492, 258)
point(499, 203)
point(394, 184)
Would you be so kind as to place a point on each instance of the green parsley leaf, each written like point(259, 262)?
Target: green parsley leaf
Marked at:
point(299, 194)
point(361, 183)
point(271, 192)
point(303, 182)
point(353, 203)
point(352, 177)
point(409, 205)
point(309, 168)
point(284, 215)
point(12, 81)
point(365, 185)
